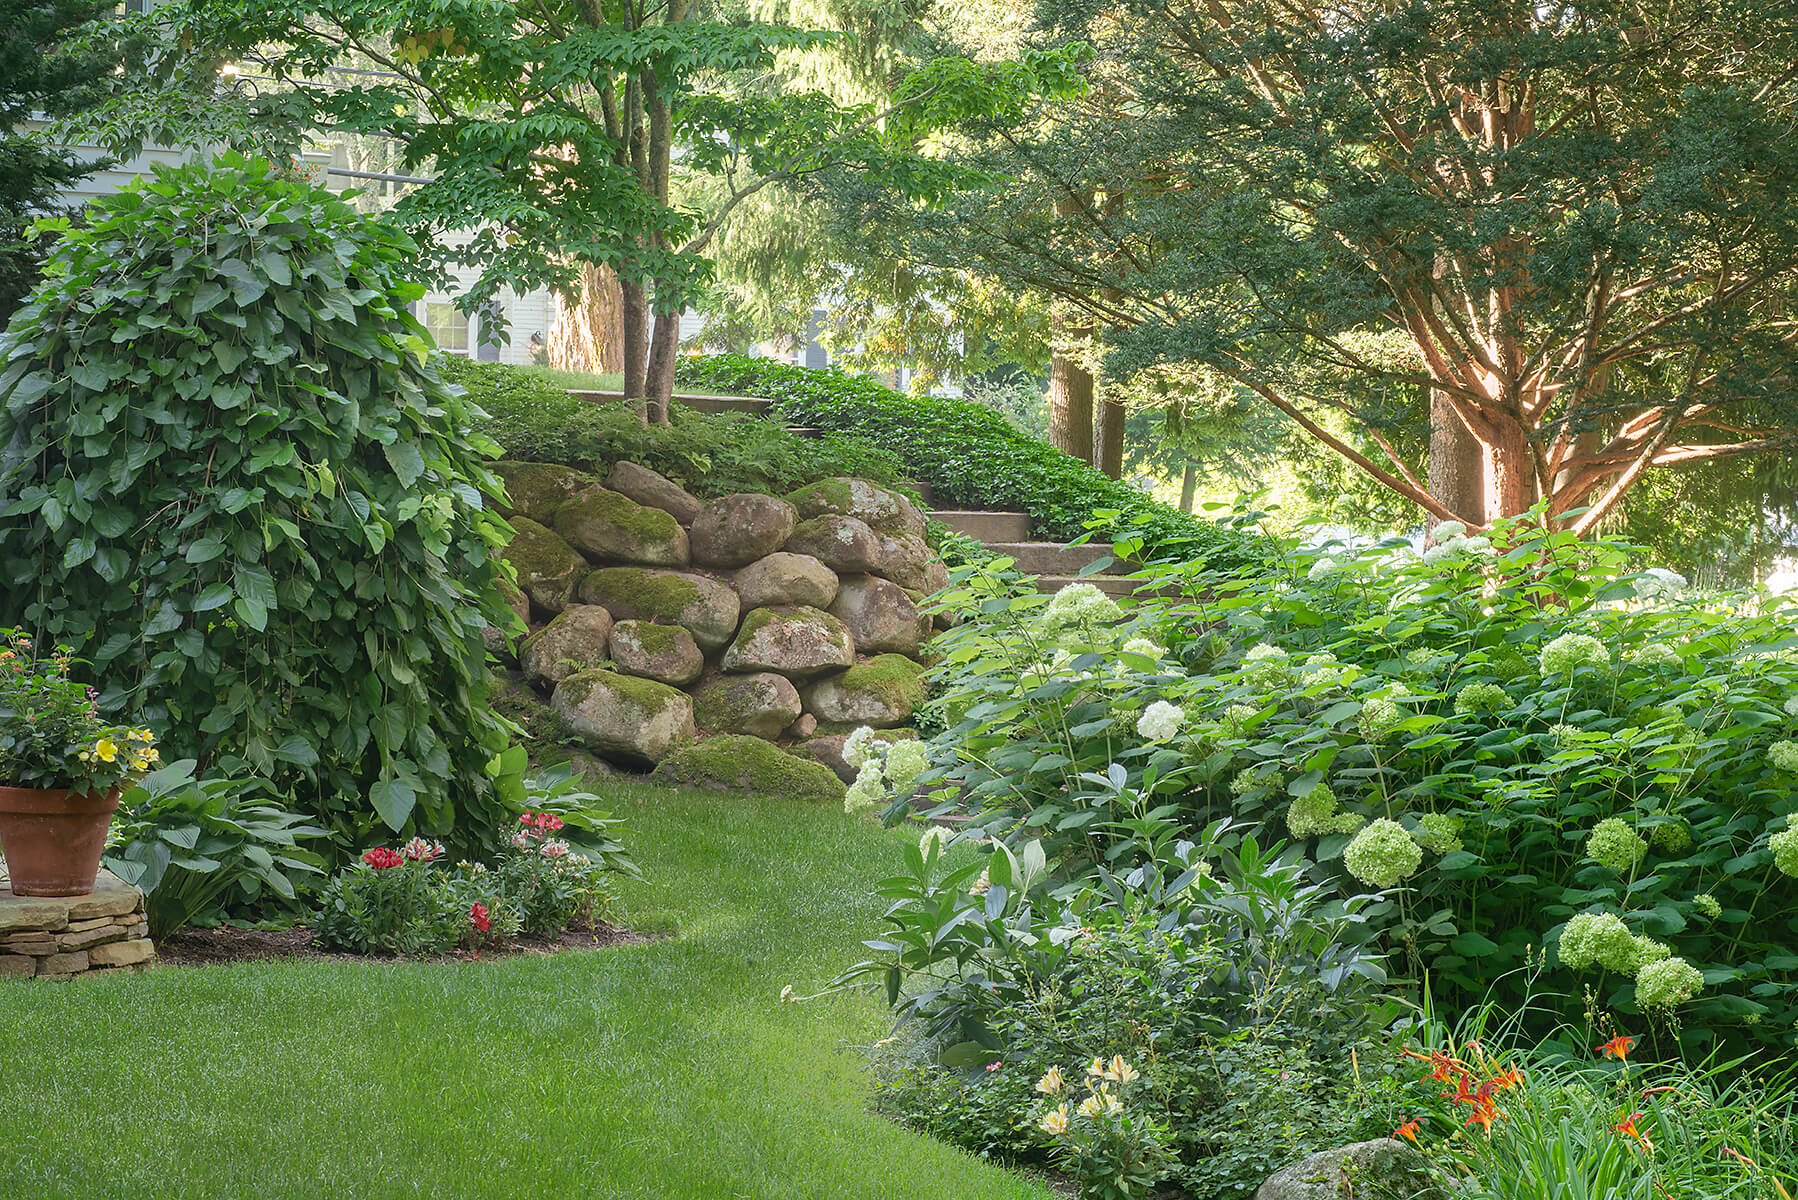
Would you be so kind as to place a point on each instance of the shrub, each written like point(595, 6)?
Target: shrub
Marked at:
point(710, 454)
point(206, 849)
point(971, 455)
point(237, 488)
point(1524, 750)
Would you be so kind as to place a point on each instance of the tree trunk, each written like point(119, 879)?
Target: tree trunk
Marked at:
point(1510, 471)
point(634, 326)
point(1111, 438)
point(1070, 391)
point(1189, 485)
point(659, 385)
point(1457, 466)
point(585, 336)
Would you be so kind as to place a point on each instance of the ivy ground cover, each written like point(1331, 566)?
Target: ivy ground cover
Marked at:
point(663, 1070)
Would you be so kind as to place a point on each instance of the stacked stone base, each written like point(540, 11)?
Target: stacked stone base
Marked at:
point(59, 937)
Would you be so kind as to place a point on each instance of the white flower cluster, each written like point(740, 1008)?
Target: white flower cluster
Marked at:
point(1324, 567)
point(1658, 583)
point(1144, 647)
point(1656, 654)
point(1571, 651)
point(1383, 855)
point(1160, 721)
point(1449, 540)
point(883, 769)
point(1791, 707)
point(1323, 669)
point(1080, 605)
point(1380, 718)
point(1784, 755)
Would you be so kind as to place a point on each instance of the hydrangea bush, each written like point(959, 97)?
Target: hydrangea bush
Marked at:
point(1522, 746)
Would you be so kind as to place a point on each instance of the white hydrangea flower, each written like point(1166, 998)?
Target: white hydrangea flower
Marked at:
point(1323, 568)
point(869, 789)
point(906, 762)
point(1079, 604)
point(1656, 654)
point(1144, 647)
point(861, 745)
point(1448, 529)
point(936, 836)
point(1444, 550)
point(1160, 721)
point(1477, 545)
point(1791, 707)
point(1572, 650)
point(1658, 583)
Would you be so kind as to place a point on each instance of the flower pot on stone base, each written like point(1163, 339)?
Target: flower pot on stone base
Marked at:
point(52, 838)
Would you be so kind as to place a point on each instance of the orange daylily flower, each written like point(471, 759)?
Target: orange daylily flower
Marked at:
point(1618, 1047)
point(1409, 1130)
point(1483, 1116)
point(1507, 1078)
point(1627, 1127)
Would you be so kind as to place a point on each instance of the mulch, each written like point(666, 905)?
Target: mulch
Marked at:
point(211, 947)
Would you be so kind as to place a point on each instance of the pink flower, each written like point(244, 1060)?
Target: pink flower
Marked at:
point(477, 916)
point(419, 850)
point(554, 849)
point(381, 858)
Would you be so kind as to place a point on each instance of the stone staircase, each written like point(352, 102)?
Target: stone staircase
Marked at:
point(747, 405)
point(1054, 565)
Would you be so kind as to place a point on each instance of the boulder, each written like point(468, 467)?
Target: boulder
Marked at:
point(734, 531)
point(908, 561)
point(879, 508)
point(574, 642)
point(637, 721)
point(844, 544)
point(1384, 1169)
point(804, 727)
point(703, 607)
point(603, 524)
point(537, 490)
point(881, 693)
point(790, 640)
point(763, 704)
point(664, 653)
point(879, 615)
point(654, 490)
point(827, 748)
point(784, 578)
point(548, 568)
point(499, 643)
point(737, 763)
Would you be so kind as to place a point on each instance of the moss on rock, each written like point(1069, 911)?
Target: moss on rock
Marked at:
point(605, 524)
point(548, 568)
point(537, 489)
point(740, 763)
point(763, 704)
point(703, 607)
point(894, 678)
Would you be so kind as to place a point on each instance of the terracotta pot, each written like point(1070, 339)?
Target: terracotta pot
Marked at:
point(52, 839)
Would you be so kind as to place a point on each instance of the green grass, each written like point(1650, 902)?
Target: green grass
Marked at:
point(661, 1071)
point(581, 380)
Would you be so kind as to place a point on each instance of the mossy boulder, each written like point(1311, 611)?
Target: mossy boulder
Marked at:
point(762, 704)
point(844, 544)
point(879, 508)
point(498, 641)
point(664, 653)
point(908, 561)
point(575, 641)
point(607, 525)
point(783, 578)
point(655, 490)
point(790, 640)
point(548, 568)
point(739, 763)
point(881, 692)
point(734, 531)
point(879, 615)
point(1382, 1169)
point(621, 717)
point(537, 490)
point(703, 607)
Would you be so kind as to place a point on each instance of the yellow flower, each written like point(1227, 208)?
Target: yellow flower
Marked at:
point(142, 735)
point(1055, 1121)
point(153, 755)
point(1096, 1068)
point(1120, 1070)
point(106, 749)
point(140, 763)
point(1050, 1083)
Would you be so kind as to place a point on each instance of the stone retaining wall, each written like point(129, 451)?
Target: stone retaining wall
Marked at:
point(57, 937)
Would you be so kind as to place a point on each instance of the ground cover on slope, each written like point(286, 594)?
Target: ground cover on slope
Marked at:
point(663, 1070)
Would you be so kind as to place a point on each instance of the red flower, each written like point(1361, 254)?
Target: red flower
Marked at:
point(1618, 1047)
point(1627, 1127)
point(380, 858)
point(477, 916)
point(1484, 1115)
point(1408, 1130)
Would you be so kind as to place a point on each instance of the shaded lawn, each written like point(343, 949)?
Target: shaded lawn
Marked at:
point(663, 1070)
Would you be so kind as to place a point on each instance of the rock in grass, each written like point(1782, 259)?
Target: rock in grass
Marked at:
point(844, 544)
point(636, 721)
point(655, 490)
point(784, 578)
point(603, 524)
point(879, 508)
point(548, 568)
point(575, 641)
point(703, 607)
point(734, 531)
point(792, 641)
point(881, 693)
point(879, 615)
point(664, 653)
point(740, 763)
point(537, 490)
point(762, 705)
point(1384, 1169)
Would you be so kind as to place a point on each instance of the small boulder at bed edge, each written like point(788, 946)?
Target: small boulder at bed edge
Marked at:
point(783, 578)
point(1383, 1169)
point(790, 640)
point(655, 490)
point(762, 704)
point(575, 641)
point(623, 718)
point(603, 524)
point(665, 653)
point(742, 763)
point(907, 560)
point(701, 605)
point(734, 531)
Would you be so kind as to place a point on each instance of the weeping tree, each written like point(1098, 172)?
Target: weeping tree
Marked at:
point(1577, 215)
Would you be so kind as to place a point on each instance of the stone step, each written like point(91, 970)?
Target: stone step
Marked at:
point(1111, 585)
point(752, 405)
point(1052, 558)
point(918, 486)
point(987, 526)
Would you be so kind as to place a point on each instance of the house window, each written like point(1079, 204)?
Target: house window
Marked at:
point(448, 326)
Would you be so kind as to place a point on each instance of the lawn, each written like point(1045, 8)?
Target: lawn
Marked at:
point(662, 1070)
